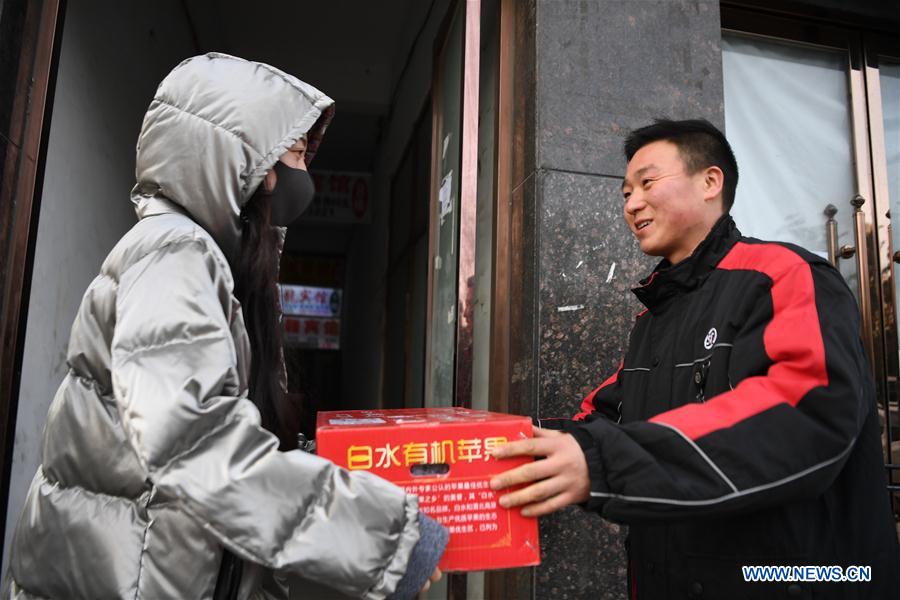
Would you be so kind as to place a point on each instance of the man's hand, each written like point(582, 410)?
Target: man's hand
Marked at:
point(561, 478)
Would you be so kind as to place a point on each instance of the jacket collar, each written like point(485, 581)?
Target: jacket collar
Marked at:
point(669, 281)
point(156, 204)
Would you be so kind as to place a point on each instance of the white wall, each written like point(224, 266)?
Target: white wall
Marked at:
point(112, 58)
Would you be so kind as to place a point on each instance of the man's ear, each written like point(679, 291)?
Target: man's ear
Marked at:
point(713, 183)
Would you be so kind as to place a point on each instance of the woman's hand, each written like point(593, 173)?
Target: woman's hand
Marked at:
point(434, 578)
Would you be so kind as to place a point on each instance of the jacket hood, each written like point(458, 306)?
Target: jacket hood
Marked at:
point(215, 126)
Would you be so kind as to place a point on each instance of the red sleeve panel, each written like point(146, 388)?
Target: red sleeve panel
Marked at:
point(590, 402)
point(793, 341)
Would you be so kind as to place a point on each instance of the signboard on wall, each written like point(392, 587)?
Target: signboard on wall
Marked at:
point(342, 198)
point(312, 333)
point(309, 301)
point(311, 316)
point(311, 270)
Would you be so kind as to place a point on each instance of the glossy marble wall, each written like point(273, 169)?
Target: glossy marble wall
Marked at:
point(600, 69)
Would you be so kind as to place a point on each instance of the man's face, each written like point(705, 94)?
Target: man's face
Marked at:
point(667, 209)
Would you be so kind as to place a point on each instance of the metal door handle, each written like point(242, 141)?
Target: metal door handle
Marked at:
point(859, 221)
point(831, 238)
point(862, 266)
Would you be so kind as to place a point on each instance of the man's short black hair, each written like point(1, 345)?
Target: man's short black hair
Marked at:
point(700, 145)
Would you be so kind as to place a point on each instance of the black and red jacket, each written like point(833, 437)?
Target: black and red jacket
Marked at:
point(741, 429)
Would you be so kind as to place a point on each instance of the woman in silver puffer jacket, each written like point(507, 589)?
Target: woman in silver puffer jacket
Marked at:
point(161, 448)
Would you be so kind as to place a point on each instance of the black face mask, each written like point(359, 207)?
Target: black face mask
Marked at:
point(293, 193)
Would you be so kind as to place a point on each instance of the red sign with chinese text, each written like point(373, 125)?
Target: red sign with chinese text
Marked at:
point(341, 198)
point(310, 332)
point(441, 455)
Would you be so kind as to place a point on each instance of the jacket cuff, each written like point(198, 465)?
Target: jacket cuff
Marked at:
point(596, 472)
point(408, 539)
point(433, 538)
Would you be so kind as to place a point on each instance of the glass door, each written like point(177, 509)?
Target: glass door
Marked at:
point(787, 115)
point(457, 342)
point(795, 113)
point(444, 267)
point(882, 71)
point(813, 115)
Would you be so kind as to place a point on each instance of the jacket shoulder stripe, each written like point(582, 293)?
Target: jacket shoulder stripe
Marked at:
point(732, 495)
point(796, 367)
point(705, 457)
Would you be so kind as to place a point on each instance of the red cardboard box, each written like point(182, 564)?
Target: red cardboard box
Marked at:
point(441, 455)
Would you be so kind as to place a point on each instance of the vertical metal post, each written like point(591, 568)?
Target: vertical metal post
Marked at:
point(885, 254)
point(468, 199)
point(32, 49)
point(501, 238)
point(864, 221)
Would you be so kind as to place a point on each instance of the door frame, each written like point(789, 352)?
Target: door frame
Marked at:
point(876, 46)
point(470, 12)
point(34, 38)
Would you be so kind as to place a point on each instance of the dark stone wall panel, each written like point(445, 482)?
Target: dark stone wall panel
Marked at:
point(602, 67)
point(607, 66)
point(589, 261)
point(586, 560)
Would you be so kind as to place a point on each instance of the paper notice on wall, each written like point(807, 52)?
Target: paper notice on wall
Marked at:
point(444, 196)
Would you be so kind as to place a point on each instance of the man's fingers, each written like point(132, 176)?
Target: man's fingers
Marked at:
point(540, 432)
point(528, 447)
point(536, 446)
point(533, 471)
point(546, 507)
point(515, 476)
point(537, 492)
point(515, 448)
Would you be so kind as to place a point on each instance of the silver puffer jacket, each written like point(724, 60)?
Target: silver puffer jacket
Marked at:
point(153, 457)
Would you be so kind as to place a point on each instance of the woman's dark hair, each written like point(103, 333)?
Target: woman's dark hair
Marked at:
point(256, 276)
point(700, 145)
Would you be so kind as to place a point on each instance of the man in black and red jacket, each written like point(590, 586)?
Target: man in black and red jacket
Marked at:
point(741, 427)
